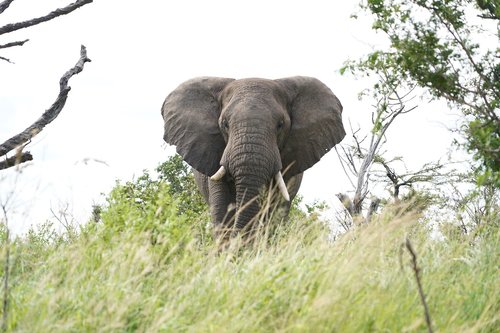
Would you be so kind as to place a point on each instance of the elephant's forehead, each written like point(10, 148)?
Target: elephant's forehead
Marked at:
point(252, 81)
point(253, 88)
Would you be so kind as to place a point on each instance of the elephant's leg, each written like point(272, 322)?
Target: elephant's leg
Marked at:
point(293, 184)
point(220, 199)
point(222, 205)
point(202, 181)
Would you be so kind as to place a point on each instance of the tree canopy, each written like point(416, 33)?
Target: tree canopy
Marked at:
point(450, 49)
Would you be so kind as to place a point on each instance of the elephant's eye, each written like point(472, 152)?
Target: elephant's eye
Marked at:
point(280, 124)
point(225, 124)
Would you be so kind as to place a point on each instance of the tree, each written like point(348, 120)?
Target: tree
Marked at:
point(19, 141)
point(432, 53)
point(391, 97)
point(178, 175)
point(434, 45)
point(167, 205)
point(174, 179)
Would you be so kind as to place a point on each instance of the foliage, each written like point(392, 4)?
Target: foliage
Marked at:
point(147, 263)
point(174, 180)
point(167, 206)
point(119, 280)
point(3, 234)
point(144, 206)
point(177, 174)
point(433, 45)
point(474, 211)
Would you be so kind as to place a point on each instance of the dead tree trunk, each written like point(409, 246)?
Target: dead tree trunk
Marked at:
point(19, 141)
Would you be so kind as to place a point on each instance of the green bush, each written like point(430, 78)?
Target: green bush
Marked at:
point(168, 206)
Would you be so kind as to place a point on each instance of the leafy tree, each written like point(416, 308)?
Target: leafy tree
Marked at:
point(174, 181)
point(167, 206)
point(177, 174)
point(436, 45)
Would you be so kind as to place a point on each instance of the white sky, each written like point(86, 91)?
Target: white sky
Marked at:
point(140, 51)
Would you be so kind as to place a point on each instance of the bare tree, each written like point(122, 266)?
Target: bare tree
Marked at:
point(19, 141)
point(366, 166)
point(358, 158)
point(363, 160)
point(433, 173)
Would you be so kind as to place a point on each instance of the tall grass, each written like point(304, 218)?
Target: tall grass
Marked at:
point(150, 270)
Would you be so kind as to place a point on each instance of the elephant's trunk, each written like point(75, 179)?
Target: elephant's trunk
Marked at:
point(253, 163)
point(247, 200)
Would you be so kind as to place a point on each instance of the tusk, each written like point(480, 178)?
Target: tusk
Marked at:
point(282, 186)
point(219, 174)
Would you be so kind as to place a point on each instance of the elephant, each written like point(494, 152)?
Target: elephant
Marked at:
point(241, 136)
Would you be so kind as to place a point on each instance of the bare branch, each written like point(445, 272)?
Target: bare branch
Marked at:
point(62, 217)
point(19, 158)
point(6, 59)
point(343, 162)
point(18, 43)
point(348, 158)
point(416, 270)
point(489, 17)
point(58, 12)
point(358, 151)
point(4, 5)
point(51, 113)
point(405, 96)
point(372, 209)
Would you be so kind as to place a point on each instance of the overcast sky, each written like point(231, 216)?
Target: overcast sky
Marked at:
point(140, 51)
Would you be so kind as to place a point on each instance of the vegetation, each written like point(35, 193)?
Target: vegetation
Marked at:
point(146, 261)
point(438, 45)
point(148, 264)
point(437, 49)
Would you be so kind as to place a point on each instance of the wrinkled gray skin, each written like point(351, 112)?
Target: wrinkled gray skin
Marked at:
point(254, 128)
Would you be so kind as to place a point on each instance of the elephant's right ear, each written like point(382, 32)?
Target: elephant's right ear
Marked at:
point(191, 114)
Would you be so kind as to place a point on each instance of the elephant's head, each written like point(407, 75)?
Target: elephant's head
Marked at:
point(251, 130)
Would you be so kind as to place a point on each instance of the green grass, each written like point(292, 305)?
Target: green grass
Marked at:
point(149, 270)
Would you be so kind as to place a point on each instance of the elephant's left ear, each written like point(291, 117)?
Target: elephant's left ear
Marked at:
point(316, 116)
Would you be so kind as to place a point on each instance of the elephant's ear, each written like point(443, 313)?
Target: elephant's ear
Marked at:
point(316, 123)
point(191, 115)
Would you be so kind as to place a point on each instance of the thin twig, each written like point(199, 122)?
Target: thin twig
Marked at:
point(416, 270)
point(489, 17)
point(49, 115)
point(58, 12)
point(6, 59)
point(18, 43)
point(342, 164)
